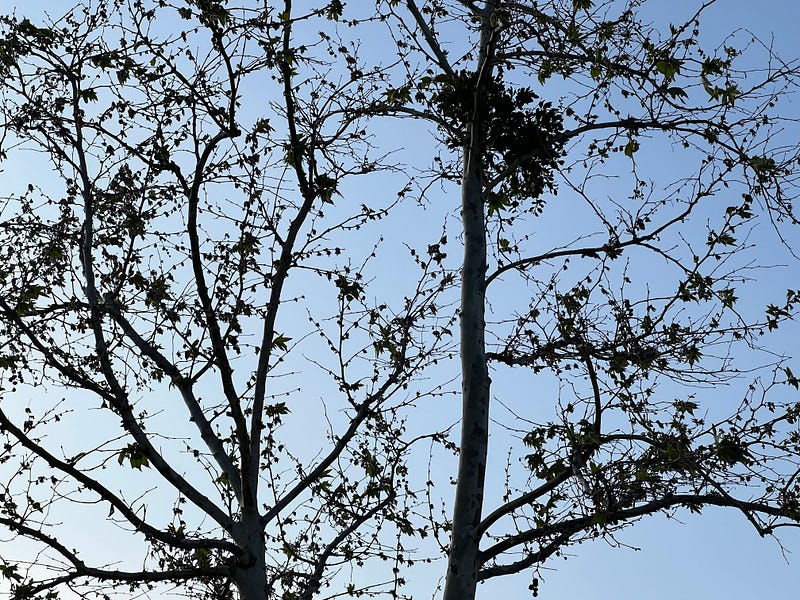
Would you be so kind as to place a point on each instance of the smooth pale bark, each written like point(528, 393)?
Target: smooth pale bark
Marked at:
point(251, 580)
point(462, 568)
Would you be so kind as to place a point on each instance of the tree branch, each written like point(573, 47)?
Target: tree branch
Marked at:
point(441, 57)
point(184, 385)
point(573, 526)
point(107, 495)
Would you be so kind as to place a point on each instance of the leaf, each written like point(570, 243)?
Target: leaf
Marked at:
point(497, 202)
point(730, 450)
point(10, 572)
point(668, 68)
point(88, 95)
point(728, 297)
point(280, 342)
point(677, 92)
point(631, 147)
point(334, 10)
point(762, 164)
point(326, 187)
point(691, 354)
point(545, 71)
point(103, 60)
point(791, 379)
point(349, 290)
point(262, 126)
point(686, 406)
point(135, 456)
point(274, 410)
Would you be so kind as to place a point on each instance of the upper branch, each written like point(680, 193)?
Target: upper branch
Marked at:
point(430, 38)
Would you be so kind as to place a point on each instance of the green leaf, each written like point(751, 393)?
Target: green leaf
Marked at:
point(103, 60)
point(349, 290)
point(728, 297)
point(631, 147)
point(135, 456)
point(677, 92)
point(334, 10)
point(730, 450)
point(10, 572)
point(691, 354)
point(724, 239)
point(545, 71)
point(280, 342)
point(497, 203)
point(325, 187)
point(41, 34)
point(262, 126)
point(668, 68)
point(762, 164)
point(713, 66)
point(401, 95)
point(726, 95)
point(203, 557)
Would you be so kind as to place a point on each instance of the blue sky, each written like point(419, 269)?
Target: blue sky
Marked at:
point(713, 556)
point(716, 555)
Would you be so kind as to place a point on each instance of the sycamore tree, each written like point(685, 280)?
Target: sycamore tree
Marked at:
point(613, 175)
point(194, 364)
point(241, 238)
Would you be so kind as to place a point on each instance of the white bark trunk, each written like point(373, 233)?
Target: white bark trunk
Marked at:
point(462, 568)
point(251, 581)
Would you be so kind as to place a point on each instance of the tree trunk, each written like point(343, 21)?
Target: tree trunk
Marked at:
point(251, 580)
point(462, 569)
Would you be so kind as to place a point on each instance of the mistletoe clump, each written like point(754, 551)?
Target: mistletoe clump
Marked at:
point(523, 134)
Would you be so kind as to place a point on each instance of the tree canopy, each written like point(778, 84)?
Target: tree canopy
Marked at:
point(271, 269)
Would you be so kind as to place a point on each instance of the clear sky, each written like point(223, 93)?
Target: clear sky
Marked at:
point(716, 555)
point(713, 556)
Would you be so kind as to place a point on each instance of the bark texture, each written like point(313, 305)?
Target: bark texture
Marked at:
point(462, 569)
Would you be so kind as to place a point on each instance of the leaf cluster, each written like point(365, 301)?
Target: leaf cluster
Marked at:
point(522, 133)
